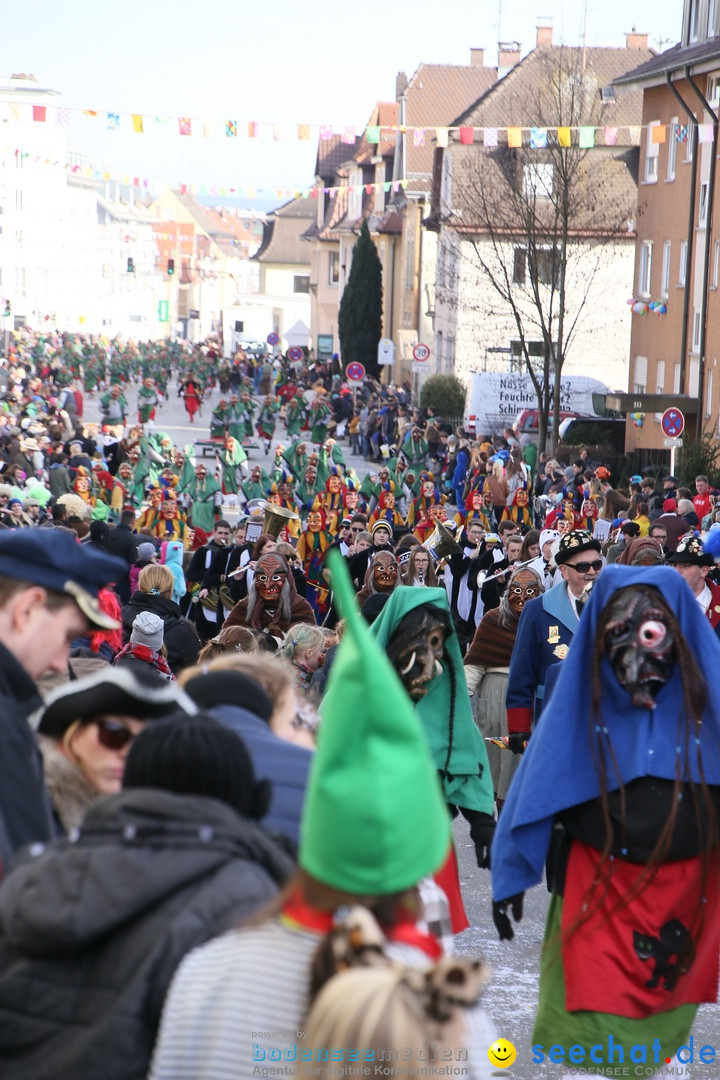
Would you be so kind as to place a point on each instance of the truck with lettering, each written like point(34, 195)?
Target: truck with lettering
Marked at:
point(495, 399)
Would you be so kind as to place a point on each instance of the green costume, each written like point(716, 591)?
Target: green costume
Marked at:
point(231, 458)
point(385, 844)
point(456, 745)
point(295, 414)
point(320, 413)
point(205, 500)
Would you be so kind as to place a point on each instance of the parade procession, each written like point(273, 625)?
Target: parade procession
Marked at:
point(360, 560)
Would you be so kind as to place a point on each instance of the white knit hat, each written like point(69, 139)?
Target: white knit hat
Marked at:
point(148, 630)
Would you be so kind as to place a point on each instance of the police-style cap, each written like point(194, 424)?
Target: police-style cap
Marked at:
point(55, 560)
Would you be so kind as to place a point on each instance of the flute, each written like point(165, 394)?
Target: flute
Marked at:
point(482, 577)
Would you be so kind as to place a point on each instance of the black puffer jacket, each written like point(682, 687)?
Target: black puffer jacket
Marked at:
point(180, 639)
point(91, 932)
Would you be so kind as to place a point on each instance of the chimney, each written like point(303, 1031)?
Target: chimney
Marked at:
point(633, 40)
point(543, 34)
point(508, 56)
point(477, 58)
point(401, 83)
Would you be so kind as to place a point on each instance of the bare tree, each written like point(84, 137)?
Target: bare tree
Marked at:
point(537, 221)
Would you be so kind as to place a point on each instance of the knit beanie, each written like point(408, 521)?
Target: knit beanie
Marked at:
point(196, 755)
point(229, 688)
point(148, 629)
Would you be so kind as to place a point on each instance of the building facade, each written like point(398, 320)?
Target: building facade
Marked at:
point(675, 342)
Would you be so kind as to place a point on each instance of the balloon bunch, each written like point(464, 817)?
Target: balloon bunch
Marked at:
point(637, 418)
point(642, 307)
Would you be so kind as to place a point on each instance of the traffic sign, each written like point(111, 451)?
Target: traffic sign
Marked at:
point(421, 352)
point(672, 423)
point(672, 443)
point(355, 372)
point(273, 339)
point(386, 351)
point(295, 353)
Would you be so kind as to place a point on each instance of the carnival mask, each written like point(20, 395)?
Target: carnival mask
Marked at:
point(438, 513)
point(428, 489)
point(521, 499)
point(417, 648)
point(639, 642)
point(524, 586)
point(351, 499)
point(385, 573)
point(334, 484)
point(314, 522)
point(271, 573)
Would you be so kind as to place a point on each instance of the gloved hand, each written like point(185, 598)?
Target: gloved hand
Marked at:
point(482, 831)
point(517, 741)
point(500, 915)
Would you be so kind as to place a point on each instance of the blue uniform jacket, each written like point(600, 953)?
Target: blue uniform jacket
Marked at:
point(545, 631)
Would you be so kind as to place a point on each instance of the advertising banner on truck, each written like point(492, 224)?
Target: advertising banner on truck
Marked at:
point(495, 398)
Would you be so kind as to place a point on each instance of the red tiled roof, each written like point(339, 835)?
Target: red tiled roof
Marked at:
point(385, 115)
point(434, 96)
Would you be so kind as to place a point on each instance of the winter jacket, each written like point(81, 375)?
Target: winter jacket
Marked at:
point(180, 636)
point(285, 764)
point(25, 814)
point(91, 931)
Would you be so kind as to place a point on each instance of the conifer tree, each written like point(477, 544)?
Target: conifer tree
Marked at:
point(360, 314)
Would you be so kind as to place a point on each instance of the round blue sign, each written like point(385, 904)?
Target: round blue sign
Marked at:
point(273, 339)
point(355, 372)
point(672, 423)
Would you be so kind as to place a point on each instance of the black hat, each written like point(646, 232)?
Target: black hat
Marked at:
point(197, 755)
point(116, 690)
point(575, 542)
point(54, 559)
point(690, 552)
point(229, 688)
point(373, 606)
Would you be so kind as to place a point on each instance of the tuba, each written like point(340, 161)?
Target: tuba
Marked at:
point(276, 518)
point(441, 543)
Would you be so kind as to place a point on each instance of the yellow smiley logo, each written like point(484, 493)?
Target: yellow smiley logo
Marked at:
point(502, 1054)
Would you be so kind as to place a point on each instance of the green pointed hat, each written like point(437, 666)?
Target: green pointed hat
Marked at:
point(375, 821)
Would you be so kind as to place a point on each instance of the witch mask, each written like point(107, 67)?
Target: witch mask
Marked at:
point(639, 642)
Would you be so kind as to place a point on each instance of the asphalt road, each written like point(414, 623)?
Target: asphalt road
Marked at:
point(511, 998)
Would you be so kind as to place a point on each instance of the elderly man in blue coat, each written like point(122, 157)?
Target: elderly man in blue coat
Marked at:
point(545, 631)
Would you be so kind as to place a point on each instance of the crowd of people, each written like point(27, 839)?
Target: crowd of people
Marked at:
point(253, 699)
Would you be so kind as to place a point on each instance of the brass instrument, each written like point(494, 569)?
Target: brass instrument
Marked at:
point(441, 543)
point(276, 518)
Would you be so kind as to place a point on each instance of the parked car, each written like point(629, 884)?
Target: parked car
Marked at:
point(526, 422)
point(594, 431)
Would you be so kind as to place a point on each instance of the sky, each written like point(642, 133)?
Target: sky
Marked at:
point(280, 62)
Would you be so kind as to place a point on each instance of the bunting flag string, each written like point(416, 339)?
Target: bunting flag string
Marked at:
point(92, 172)
point(533, 136)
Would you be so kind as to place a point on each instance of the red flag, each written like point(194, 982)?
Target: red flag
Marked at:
point(467, 136)
point(39, 113)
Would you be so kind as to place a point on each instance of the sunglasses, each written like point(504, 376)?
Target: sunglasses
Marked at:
point(585, 567)
point(113, 736)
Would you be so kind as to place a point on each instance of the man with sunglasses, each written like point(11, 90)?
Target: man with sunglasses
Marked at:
point(48, 596)
point(545, 632)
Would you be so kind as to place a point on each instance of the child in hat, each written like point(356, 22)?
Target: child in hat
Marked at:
point(145, 648)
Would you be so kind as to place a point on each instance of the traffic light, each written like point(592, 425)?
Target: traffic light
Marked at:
point(131, 266)
point(8, 307)
point(171, 267)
